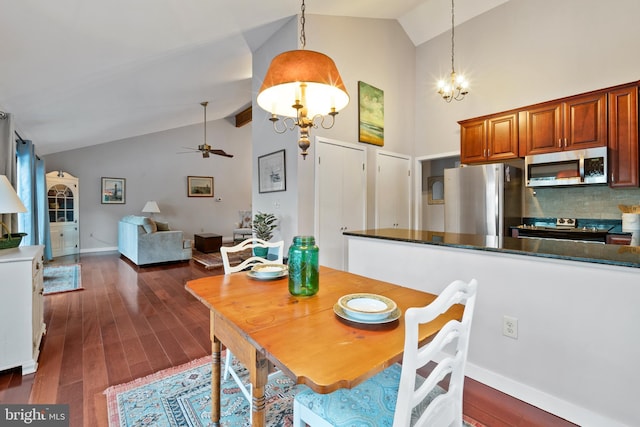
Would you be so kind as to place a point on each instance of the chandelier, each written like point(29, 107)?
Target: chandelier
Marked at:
point(456, 87)
point(305, 89)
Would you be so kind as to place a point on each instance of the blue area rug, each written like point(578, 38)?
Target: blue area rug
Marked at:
point(62, 278)
point(181, 396)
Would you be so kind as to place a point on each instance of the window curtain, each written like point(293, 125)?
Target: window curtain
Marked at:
point(8, 164)
point(32, 189)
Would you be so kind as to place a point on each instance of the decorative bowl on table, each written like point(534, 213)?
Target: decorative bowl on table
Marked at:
point(11, 240)
point(367, 306)
point(268, 270)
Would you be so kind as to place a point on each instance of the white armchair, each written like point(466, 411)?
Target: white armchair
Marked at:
point(243, 229)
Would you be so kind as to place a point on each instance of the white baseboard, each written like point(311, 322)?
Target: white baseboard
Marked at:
point(107, 249)
point(552, 404)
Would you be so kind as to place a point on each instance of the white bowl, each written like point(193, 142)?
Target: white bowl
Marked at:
point(268, 270)
point(367, 306)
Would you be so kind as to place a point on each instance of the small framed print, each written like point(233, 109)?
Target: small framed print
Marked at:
point(113, 191)
point(272, 172)
point(200, 186)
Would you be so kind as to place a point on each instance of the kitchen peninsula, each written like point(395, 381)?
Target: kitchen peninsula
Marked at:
point(626, 256)
point(575, 305)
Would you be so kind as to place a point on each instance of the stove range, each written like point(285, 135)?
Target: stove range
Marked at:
point(564, 229)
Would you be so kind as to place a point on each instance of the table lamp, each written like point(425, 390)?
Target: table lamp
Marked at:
point(9, 203)
point(151, 207)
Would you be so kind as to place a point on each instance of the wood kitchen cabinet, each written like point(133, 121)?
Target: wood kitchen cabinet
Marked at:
point(573, 123)
point(623, 137)
point(618, 239)
point(491, 138)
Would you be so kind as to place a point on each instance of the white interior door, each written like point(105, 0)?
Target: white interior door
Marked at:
point(393, 190)
point(340, 197)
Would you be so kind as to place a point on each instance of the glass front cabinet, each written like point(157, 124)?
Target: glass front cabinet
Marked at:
point(62, 197)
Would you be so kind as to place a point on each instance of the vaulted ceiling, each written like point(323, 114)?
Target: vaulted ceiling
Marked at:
point(81, 72)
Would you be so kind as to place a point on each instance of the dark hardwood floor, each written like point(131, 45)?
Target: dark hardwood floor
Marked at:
point(129, 322)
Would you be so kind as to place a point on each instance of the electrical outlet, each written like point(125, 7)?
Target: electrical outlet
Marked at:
point(510, 327)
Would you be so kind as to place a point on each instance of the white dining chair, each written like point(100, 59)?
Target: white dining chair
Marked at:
point(251, 244)
point(228, 269)
point(391, 397)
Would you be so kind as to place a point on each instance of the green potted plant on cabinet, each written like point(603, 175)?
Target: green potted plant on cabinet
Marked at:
point(263, 226)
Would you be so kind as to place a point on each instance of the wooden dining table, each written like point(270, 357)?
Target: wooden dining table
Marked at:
point(260, 322)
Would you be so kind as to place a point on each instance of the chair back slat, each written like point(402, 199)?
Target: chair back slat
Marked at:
point(247, 244)
point(419, 401)
point(447, 407)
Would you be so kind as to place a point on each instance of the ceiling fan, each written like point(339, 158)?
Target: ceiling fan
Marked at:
point(205, 148)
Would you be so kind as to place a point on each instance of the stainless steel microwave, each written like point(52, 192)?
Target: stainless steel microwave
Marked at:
point(574, 167)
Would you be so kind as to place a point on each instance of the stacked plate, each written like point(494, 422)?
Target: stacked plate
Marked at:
point(268, 271)
point(367, 308)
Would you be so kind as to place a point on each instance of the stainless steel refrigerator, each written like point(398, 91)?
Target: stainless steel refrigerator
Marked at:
point(482, 199)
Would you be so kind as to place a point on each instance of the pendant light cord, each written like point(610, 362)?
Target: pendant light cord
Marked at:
point(303, 36)
point(452, 36)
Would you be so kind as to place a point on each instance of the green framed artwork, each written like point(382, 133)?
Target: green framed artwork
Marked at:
point(370, 114)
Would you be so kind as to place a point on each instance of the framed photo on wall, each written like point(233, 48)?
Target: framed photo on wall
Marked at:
point(113, 191)
point(200, 186)
point(370, 114)
point(272, 172)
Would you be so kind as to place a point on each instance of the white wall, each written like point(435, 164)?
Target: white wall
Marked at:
point(154, 170)
point(576, 354)
point(523, 52)
point(264, 140)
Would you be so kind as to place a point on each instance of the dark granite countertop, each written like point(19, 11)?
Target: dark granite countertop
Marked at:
point(598, 253)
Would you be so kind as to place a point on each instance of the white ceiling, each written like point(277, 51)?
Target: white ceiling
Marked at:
point(82, 72)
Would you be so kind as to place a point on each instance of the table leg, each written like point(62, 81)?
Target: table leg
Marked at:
point(215, 377)
point(259, 377)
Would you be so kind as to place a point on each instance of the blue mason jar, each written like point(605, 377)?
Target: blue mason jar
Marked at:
point(303, 266)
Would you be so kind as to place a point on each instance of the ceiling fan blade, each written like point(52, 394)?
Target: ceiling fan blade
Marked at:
point(205, 148)
point(221, 153)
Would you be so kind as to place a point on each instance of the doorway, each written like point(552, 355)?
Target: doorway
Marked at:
point(430, 190)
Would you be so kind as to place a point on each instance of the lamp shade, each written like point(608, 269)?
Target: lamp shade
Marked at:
point(282, 84)
point(151, 207)
point(9, 200)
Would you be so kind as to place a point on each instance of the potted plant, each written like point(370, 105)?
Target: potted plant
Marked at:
point(263, 226)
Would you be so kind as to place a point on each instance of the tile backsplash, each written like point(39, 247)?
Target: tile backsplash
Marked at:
point(589, 201)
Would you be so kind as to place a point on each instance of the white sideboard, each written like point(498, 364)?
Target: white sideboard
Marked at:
point(21, 307)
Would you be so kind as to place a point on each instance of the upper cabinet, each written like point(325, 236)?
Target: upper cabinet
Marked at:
point(603, 118)
point(492, 138)
point(571, 124)
point(623, 137)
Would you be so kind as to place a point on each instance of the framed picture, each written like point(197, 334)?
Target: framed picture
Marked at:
point(200, 186)
point(435, 186)
point(370, 114)
point(272, 172)
point(113, 191)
